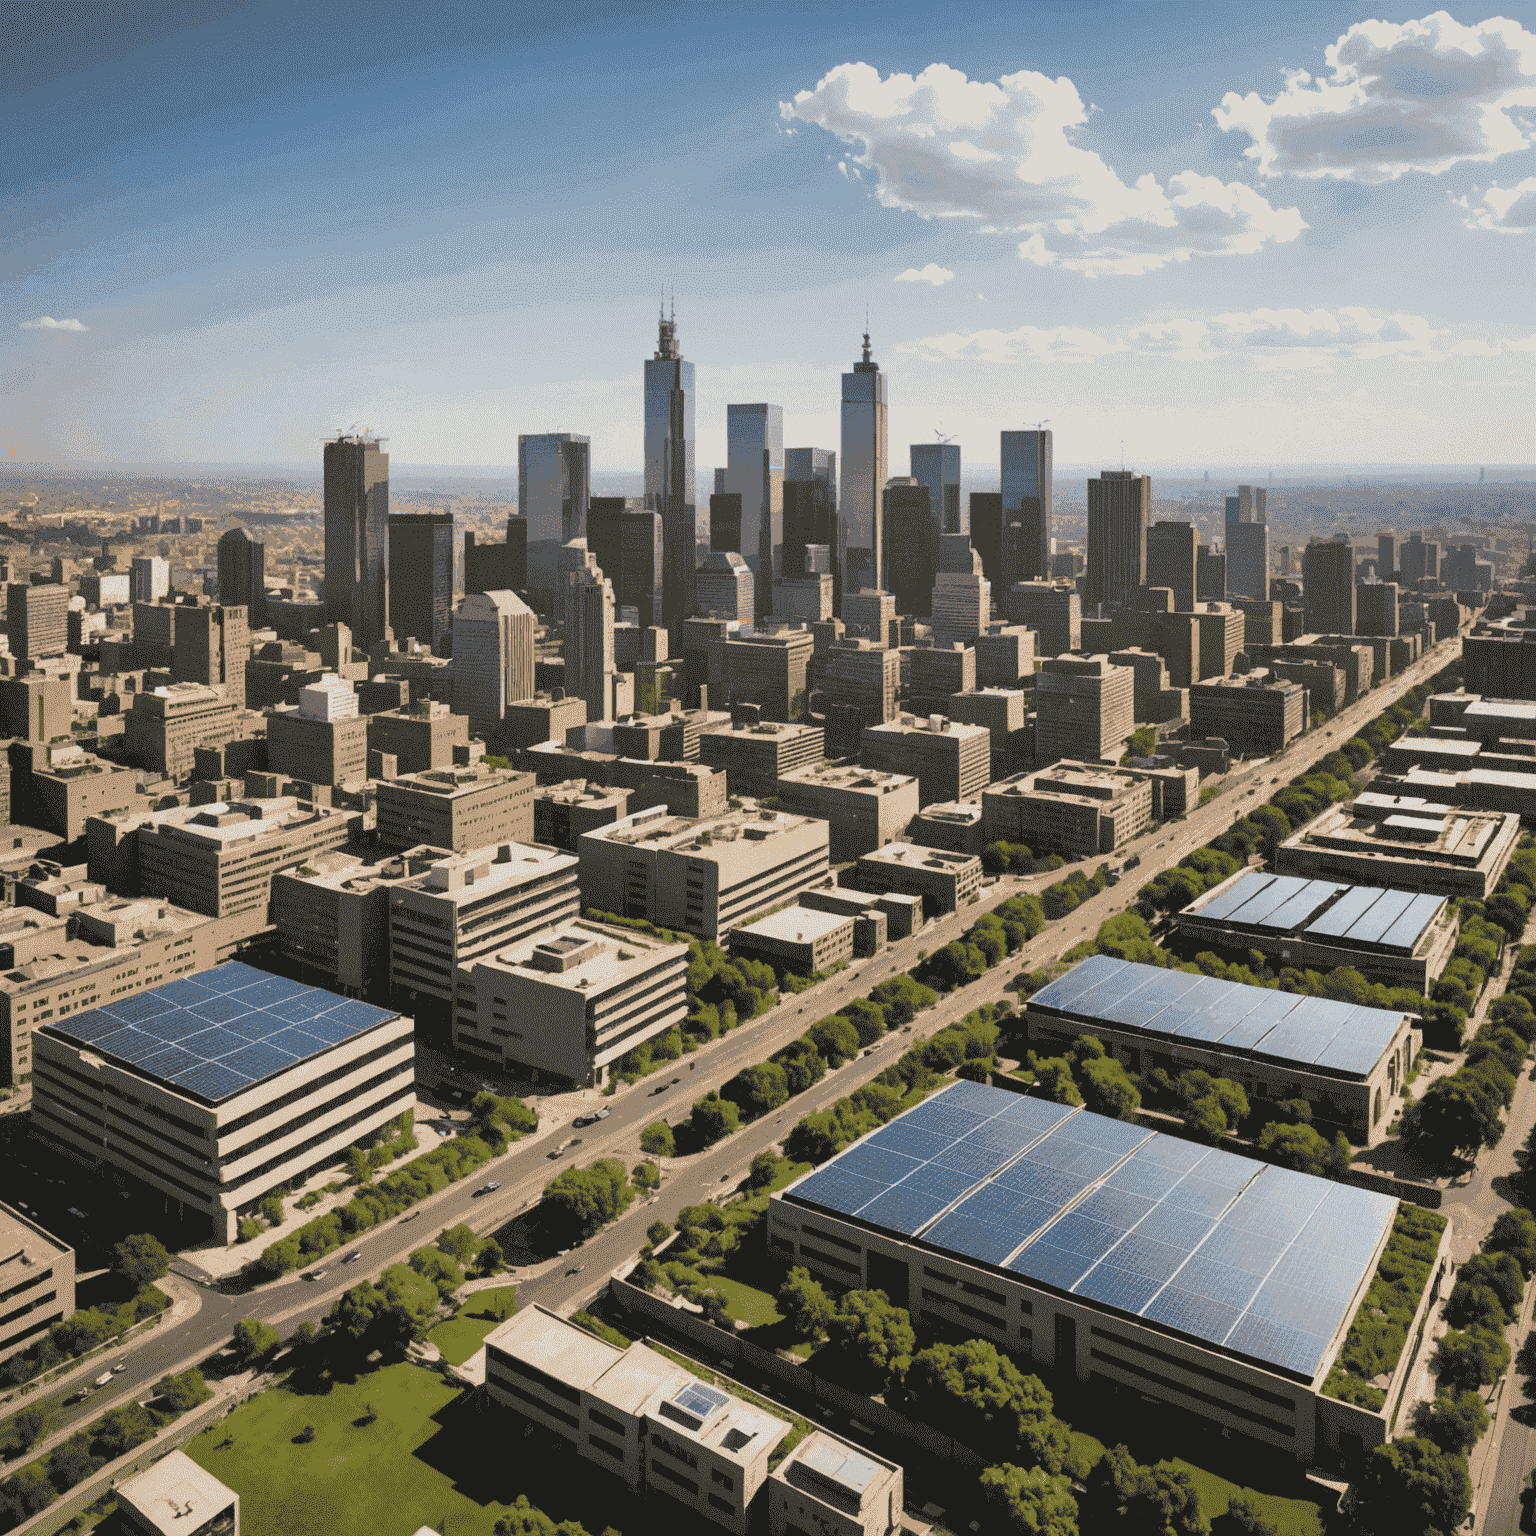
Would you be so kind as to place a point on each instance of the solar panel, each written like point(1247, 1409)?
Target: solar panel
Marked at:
point(1373, 923)
point(1420, 913)
point(143, 1005)
point(1065, 990)
point(699, 1400)
point(1232, 898)
point(1336, 921)
point(1274, 895)
point(211, 1080)
point(1293, 913)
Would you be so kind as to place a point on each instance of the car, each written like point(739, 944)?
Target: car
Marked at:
point(352, 1258)
point(660, 1088)
point(120, 1367)
point(1133, 861)
point(558, 1151)
point(409, 1216)
point(494, 1184)
point(312, 1274)
point(79, 1215)
point(676, 1081)
point(78, 1397)
point(103, 1379)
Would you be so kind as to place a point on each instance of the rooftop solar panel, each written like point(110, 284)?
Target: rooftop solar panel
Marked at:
point(1274, 895)
point(1065, 990)
point(1369, 927)
point(1405, 932)
point(1335, 922)
point(1233, 897)
point(1293, 913)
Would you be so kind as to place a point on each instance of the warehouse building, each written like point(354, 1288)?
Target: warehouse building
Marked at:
point(37, 1282)
point(1348, 1062)
point(1397, 938)
point(1132, 1262)
point(217, 1088)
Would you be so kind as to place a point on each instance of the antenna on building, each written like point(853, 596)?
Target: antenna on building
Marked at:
point(938, 432)
point(1122, 453)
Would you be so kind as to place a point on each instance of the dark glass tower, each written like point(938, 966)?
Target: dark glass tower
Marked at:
point(864, 474)
point(421, 595)
point(669, 486)
point(1026, 465)
point(357, 536)
point(810, 512)
point(243, 574)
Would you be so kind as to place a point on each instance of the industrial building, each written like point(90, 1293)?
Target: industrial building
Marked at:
point(1132, 1262)
point(217, 1088)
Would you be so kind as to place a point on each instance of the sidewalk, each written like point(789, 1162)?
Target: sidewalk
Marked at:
point(1484, 1460)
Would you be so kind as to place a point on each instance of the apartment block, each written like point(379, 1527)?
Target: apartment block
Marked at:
point(1254, 713)
point(317, 747)
point(864, 808)
point(755, 756)
point(456, 808)
point(952, 761)
point(1085, 707)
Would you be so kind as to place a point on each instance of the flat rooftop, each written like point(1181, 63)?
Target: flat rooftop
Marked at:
point(1238, 1256)
point(450, 781)
point(175, 1494)
point(1455, 837)
point(658, 829)
point(220, 1032)
point(796, 925)
point(1312, 1034)
point(910, 856)
point(581, 956)
point(871, 780)
point(963, 813)
point(913, 726)
point(586, 792)
point(23, 1244)
point(475, 875)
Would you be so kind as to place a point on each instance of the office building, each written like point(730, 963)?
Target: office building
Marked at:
point(419, 736)
point(962, 607)
point(1026, 506)
point(986, 529)
point(149, 579)
point(937, 672)
point(1257, 714)
point(864, 808)
point(357, 536)
point(868, 614)
point(493, 658)
point(469, 905)
point(1005, 653)
point(289, 1079)
point(1328, 584)
point(937, 466)
point(639, 580)
point(106, 589)
point(1063, 1283)
point(37, 1280)
point(727, 589)
point(588, 619)
point(1418, 560)
point(1119, 510)
point(59, 786)
point(701, 876)
point(212, 647)
point(910, 545)
point(1396, 938)
point(421, 593)
point(669, 479)
point(35, 617)
point(604, 533)
point(1210, 576)
point(725, 523)
point(167, 723)
point(173, 1493)
point(1221, 630)
point(1263, 622)
point(810, 514)
point(562, 812)
point(1172, 558)
point(804, 599)
point(1075, 809)
point(755, 472)
point(864, 471)
point(564, 1005)
point(1085, 709)
point(1003, 712)
point(769, 671)
point(859, 686)
point(1247, 542)
point(951, 761)
point(243, 575)
point(800, 940)
point(756, 755)
point(1053, 610)
point(456, 809)
point(1386, 557)
point(946, 881)
point(554, 485)
point(324, 740)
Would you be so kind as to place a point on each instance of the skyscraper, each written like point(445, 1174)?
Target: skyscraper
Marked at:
point(36, 617)
point(727, 588)
point(357, 536)
point(669, 468)
point(638, 584)
point(864, 473)
point(492, 658)
point(149, 578)
point(1328, 588)
point(1119, 507)
point(554, 485)
point(986, 521)
point(911, 550)
point(421, 594)
point(937, 465)
point(587, 608)
point(810, 511)
point(1172, 559)
point(1026, 490)
point(243, 574)
point(604, 514)
point(1248, 542)
point(755, 472)
point(1419, 560)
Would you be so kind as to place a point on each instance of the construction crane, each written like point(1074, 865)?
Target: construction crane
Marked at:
point(938, 433)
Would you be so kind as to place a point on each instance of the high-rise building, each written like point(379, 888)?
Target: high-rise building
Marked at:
point(243, 574)
point(864, 473)
point(1376, 608)
point(604, 534)
point(1386, 556)
point(1026, 481)
point(517, 554)
point(357, 536)
point(588, 611)
point(1328, 586)
point(669, 484)
point(937, 465)
point(421, 594)
point(1419, 560)
point(1172, 558)
point(37, 619)
point(149, 579)
point(725, 523)
point(492, 657)
point(962, 605)
point(1119, 508)
point(910, 546)
point(1052, 609)
point(1247, 542)
point(554, 485)
point(726, 588)
point(986, 520)
point(212, 646)
point(810, 512)
point(1210, 576)
point(638, 584)
point(755, 472)
point(1085, 708)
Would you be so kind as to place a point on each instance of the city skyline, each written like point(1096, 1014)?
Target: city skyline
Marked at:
point(1237, 292)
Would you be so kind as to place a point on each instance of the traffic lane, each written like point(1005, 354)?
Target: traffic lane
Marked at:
point(1517, 1455)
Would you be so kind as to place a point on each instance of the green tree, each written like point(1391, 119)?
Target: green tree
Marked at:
point(714, 1118)
point(1458, 1115)
point(657, 1232)
point(254, 1339)
point(1030, 1502)
point(438, 1267)
point(867, 1018)
point(182, 1392)
point(579, 1201)
point(1455, 1421)
point(1465, 1361)
point(835, 1039)
point(141, 1259)
point(977, 1394)
point(657, 1139)
point(359, 1168)
point(872, 1332)
point(459, 1243)
point(1515, 1233)
point(805, 1304)
point(758, 1089)
point(303, 1336)
point(1107, 1088)
point(489, 1259)
point(1246, 1518)
point(1413, 1486)
point(30, 1424)
point(1303, 1149)
point(1053, 1075)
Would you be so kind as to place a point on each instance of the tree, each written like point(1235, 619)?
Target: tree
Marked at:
point(835, 1039)
point(1303, 1149)
point(758, 1089)
point(1455, 1421)
point(867, 1018)
point(581, 1200)
point(1108, 1089)
point(141, 1259)
point(183, 1391)
point(977, 1394)
point(657, 1233)
point(714, 1118)
point(802, 1064)
point(657, 1139)
point(1053, 1075)
point(1203, 1118)
point(1413, 1486)
point(1515, 1233)
point(1500, 1273)
point(869, 1330)
point(434, 1265)
point(805, 1304)
point(489, 1259)
point(359, 1168)
point(1469, 1360)
point(1115, 1483)
point(1175, 1503)
point(459, 1243)
point(253, 1339)
point(1031, 1501)
point(1245, 1517)
point(303, 1336)
point(31, 1424)
point(410, 1303)
point(1458, 1115)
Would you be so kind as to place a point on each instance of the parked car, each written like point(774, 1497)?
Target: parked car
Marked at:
point(660, 1088)
point(409, 1216)
point(76, 1212)
point(122, 1365)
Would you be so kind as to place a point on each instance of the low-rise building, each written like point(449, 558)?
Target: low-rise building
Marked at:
point(64, 786)
point(456, 808)
point(863, 807)
point(176, 1497)
point(757, 754)
point(902, 910)
point(797, 939)
point(956, 825)
point(1074, 809)
point(1256, 713)
point(829, 1486)
point(323, 740)
point(547, 717)
point(952, 761)
point(1005, 714)
point(945, 881)
point(562, 812)
point(419, 736)
point(37, 1282)
point(567, 1003)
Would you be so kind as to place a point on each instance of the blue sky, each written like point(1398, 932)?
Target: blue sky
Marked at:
point(233, 228)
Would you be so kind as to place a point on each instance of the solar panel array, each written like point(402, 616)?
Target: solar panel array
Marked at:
point(1356, 914)
point(220, 1032)
point(1343, 1039)
point(1238, 1255)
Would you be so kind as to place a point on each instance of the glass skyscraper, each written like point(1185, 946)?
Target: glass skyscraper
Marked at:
point(669, 486)
point(755, 472)
point(554, 485)
point(421, 593)
point(810, 512)
point(1026, 487)
point(864, 472)
point(357, 536)
point(937, 465)
point(1247, 542)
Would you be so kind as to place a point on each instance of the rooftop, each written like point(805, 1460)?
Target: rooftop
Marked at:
point(937, 725)
point(796, 925)
point(448, 782)
point(1447, 836)
point(657, 828)
point(911, 856)
point(582, 956)
point(176, 1494)
point(23, 1244)
point(463, 877)
point(836, 777)
point(582, 792)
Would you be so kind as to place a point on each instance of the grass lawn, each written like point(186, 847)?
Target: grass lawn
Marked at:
point(461, 1335)
point(745, 1303)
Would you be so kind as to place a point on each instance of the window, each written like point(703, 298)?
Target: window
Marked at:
point(716, 1475)
point(720, 1503)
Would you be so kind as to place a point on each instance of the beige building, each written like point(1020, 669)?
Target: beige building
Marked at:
point(1085, 707)
point(569, 1001)
point(493, 658)
point(756, 755)
point(176, 1497)
point(68, 786)
point(830, 1487)
point(951, 761)
point(562, 812)
point(1257, 713)
point(635, 1413)
point(456, 808)
point(946, 881)
point(704, 876)
point(248, 1081)
point(864, 808)
point(166, 723)
point(1074, 809)
point(954, 824)
point(37, 1282)
point(797, 939)
point(418, 737)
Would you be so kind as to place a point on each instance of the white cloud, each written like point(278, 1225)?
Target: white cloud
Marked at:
point(48, 323)
point(1410, 96)
point(1509, 210)
point(943, 146)
point(932, 273)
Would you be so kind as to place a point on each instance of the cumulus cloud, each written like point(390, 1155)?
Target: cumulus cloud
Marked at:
point(48, 323)
point(932, 273)
point(1399, 97)
point(1003, 153)
point(1509, 210)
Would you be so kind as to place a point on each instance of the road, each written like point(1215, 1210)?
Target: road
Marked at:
point(524, 1170)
